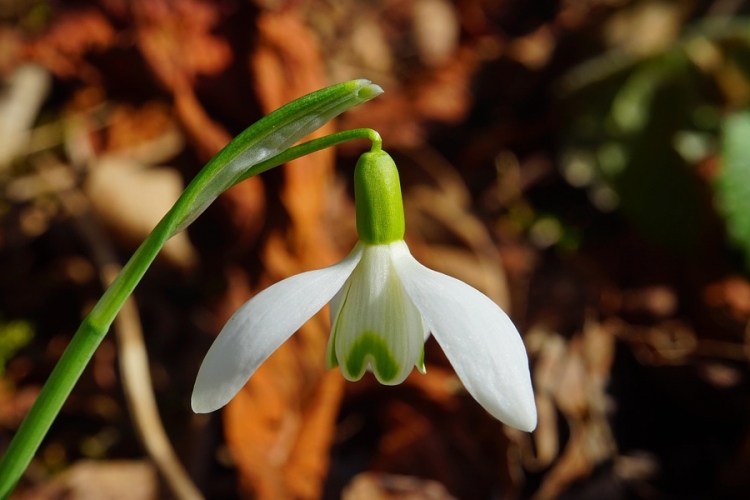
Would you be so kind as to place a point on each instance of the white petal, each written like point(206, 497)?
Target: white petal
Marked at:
point(376, 326)
point(478, 338)
point(260, 326)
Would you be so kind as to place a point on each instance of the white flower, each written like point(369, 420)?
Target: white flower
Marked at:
point(383, 305)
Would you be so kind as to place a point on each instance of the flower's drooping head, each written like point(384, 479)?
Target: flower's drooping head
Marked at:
point(374, 324)
point(384, 304)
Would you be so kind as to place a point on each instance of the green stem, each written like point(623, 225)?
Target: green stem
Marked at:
point(73, 361)
point(96, 324)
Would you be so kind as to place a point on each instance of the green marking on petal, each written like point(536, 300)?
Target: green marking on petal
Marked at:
point(373, 348)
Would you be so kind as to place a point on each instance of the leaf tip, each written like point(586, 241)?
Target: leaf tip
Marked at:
point(366, 90)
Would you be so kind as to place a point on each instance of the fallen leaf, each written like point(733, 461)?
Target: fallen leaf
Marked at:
point(72, 35)
point(25, 89)
point(131, 199)
point(96, 480)
point(281, 425)
point(375, 486)
point(175, 39)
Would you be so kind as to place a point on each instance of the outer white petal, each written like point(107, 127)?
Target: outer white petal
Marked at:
point(260, 326)
point(478, 338)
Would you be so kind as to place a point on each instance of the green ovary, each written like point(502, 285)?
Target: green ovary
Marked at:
point(370, 347)
point(377, 196)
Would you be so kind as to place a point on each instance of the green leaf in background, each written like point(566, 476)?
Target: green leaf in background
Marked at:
point(14, 335)
point(659, 192)
point(628, 157)
point(732, 184)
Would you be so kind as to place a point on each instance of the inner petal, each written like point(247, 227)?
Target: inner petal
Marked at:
point(377, 326)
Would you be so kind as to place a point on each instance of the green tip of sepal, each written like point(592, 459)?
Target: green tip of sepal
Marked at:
point(420, 363)
point(331, 360)
point(377, 194)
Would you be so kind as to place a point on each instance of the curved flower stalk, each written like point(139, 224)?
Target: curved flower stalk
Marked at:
point(383, 305)
point(262, 146)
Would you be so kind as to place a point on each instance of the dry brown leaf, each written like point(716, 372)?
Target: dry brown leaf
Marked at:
point(71, 36)
point(369, 44)
point(280, 426)
point(439, 385)
point(207, 135)
point(15, 402)
point(175, 39)
point(573, 464)
point(457, 444)
point(375, 486)
point(131, 199)
point(92, 480)
point(10, 48)
point(533, 50)
point(131, 127)
point(436, 30)
point(483, 270)
point(658, 301)
point(443, 93)
point(731, 294)
point(658, 24)
point(24, 91)
point(570, 377)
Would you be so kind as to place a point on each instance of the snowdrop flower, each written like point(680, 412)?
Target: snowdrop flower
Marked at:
point(384, 304)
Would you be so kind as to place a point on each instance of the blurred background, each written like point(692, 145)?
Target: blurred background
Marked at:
point(585, 163)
